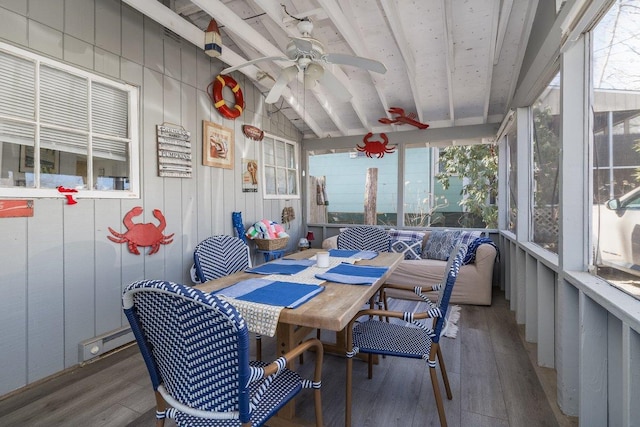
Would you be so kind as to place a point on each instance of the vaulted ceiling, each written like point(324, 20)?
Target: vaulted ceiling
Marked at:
point(449, 62)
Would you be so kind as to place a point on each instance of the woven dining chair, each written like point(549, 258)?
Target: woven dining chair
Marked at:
point(219, 256)
point(364, 238)
point(409, 337)
point(196, 349)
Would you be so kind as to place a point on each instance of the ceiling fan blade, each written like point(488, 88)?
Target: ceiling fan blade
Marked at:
point(284, 78)
point(253, 61)
point(333, 85)
point(356, 61)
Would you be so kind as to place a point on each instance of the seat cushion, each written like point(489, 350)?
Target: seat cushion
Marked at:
point(393, 339)
point(284, 387)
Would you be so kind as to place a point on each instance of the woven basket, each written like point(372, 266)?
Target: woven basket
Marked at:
point(271, 244)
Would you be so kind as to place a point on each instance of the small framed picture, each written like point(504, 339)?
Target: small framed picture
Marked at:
point(217, 145)
point(48, 160)
point(249, 176)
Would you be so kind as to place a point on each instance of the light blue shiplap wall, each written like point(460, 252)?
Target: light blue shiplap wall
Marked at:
point(60, 278)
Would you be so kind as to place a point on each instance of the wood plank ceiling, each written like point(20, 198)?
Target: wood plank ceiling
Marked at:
point(451, 62)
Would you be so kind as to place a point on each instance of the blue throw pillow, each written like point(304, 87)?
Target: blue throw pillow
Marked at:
point(440, 244)
point(410, 249)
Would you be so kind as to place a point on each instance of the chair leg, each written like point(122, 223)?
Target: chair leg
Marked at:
point(347, 404)
point(370, 365)
point(317, 392)
point(438, 397)
point(258, 347)
point(161, 408)
point(385, 302)
point(443, 371)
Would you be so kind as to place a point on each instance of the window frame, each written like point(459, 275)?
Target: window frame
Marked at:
point(133, 98)
point(296, 168)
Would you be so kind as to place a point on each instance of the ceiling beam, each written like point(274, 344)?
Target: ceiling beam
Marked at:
point(391, 11)
point(447, 33)
point(345, 26)
point(482, 133)
point(169, 19)
point(529, 16)
point(492, 53)
point(505, 13)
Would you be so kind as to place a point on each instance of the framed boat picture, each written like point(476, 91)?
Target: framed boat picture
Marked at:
point(217, 145)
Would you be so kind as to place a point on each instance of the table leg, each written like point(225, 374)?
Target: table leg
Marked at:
point(288, 337)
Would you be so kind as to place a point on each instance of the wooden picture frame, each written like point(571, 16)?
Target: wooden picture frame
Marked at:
point(48, 160)
point(217, 145)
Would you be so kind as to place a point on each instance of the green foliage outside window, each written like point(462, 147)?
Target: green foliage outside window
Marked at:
point(478, 164)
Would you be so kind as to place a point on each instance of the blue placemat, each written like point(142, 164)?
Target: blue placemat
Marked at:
point(353, 274)
point(264, 291)
point(348, 253)
point(283, 266)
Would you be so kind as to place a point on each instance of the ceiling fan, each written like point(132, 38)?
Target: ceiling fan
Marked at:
point(308, 55)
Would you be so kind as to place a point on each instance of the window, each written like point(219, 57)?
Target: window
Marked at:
point(341, 176)
point(280, 171)
point(61, 126)
point(425, 203)
point(512, 143)
point(469, 175)
point(462, 195)
point(546, 159)
point(616, 151)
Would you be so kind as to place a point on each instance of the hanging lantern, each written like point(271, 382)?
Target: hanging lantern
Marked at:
point(212, 40)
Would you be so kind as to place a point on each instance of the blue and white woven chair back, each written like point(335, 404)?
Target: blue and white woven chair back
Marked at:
point(450, 275)
point(364, 238)
point(193, 343)
point(219, 256)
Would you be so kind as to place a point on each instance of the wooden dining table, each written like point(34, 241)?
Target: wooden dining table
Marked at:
point(331, 309)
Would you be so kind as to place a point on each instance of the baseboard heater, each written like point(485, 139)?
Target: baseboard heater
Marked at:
point(104, 343)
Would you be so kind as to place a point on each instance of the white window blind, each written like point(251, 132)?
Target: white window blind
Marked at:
point(88, 120)
point(17, 87)
point(63, 99)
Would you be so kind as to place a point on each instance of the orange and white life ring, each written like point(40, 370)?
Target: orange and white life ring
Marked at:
point(218, 101)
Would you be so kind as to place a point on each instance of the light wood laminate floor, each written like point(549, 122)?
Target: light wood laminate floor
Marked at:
point(493, 375)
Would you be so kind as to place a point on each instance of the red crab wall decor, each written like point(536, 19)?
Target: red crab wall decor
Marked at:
point(377, 148)
point(146, 234)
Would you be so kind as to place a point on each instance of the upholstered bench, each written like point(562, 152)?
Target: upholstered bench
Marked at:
point(425, 262)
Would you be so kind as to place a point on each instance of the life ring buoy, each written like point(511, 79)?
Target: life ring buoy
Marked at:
point(218, 101)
